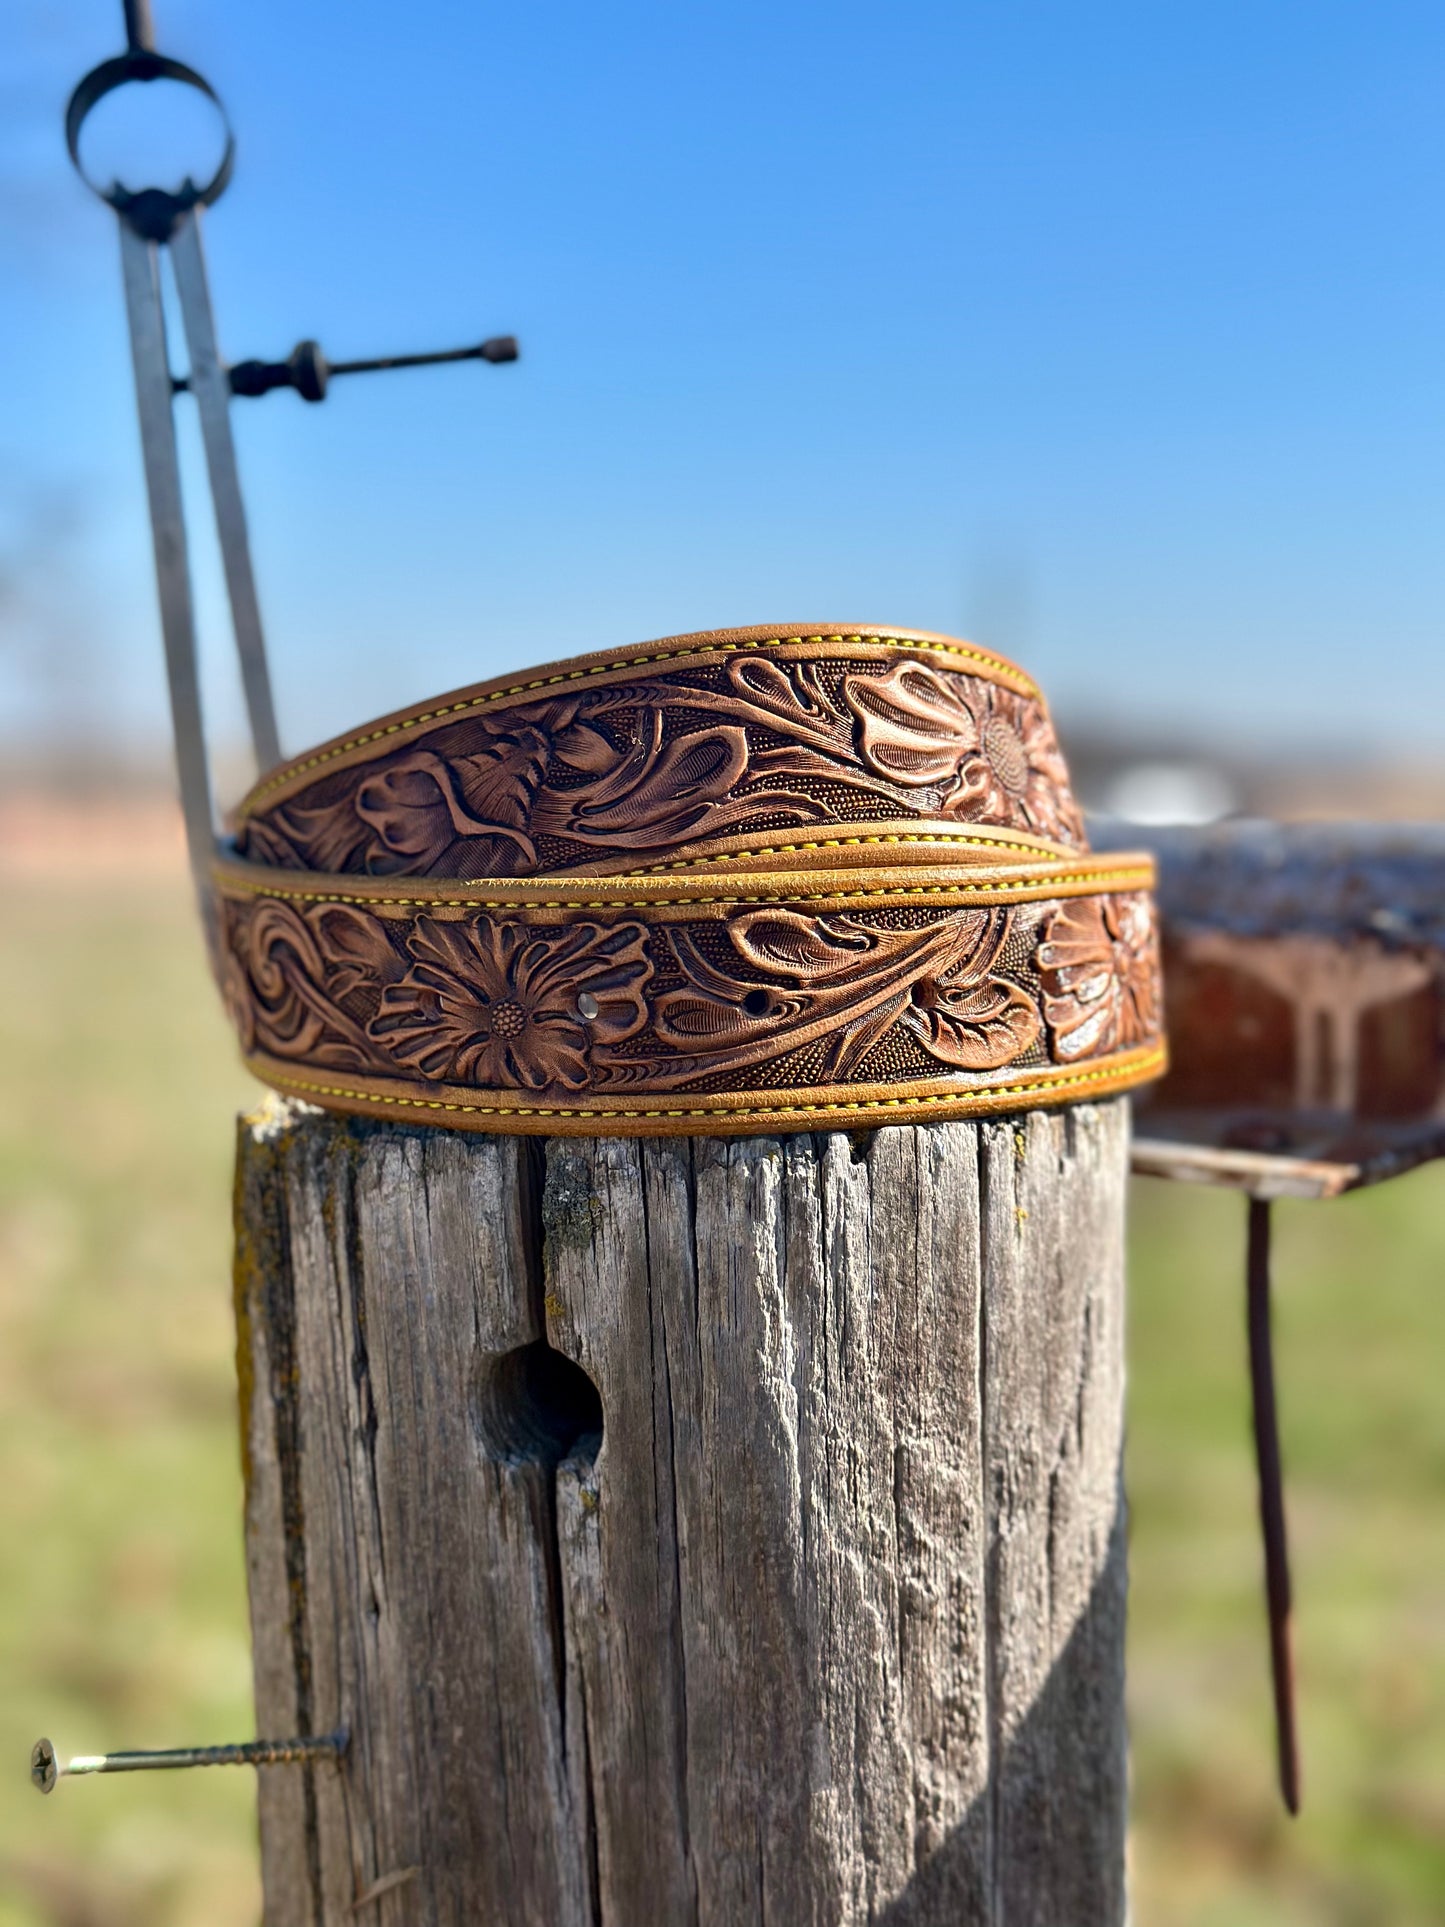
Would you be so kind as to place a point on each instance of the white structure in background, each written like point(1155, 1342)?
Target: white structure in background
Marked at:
point(1170, 792)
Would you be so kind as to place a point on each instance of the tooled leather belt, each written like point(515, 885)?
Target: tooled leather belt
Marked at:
point(744, 881)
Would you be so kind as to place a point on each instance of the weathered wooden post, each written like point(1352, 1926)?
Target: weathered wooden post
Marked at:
point(690, 1528)
point(696, 1495)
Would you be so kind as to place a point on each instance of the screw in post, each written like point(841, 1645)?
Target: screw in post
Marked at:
point(46, 1770)
point(44, 1767)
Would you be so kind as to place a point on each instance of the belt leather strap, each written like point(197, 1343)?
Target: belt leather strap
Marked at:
point(746, 881)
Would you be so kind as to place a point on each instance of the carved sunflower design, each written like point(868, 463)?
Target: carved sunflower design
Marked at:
point(1099, 963)
point(1017, 774)
point(506, 1006)
point(994, 758)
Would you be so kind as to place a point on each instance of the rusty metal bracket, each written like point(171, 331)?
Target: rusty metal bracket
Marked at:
point(1304, 970)
point(1202, 1148)
point(1305, 1006)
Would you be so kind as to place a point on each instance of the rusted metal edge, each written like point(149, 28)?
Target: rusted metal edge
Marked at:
point(1276, 1174)
point(1261, 1174)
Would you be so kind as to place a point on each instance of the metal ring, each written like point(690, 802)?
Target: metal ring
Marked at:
point(153, 210)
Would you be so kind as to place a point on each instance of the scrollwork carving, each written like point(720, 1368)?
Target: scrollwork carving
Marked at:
point(286, 975)
point(801, 978)
point(660, 761)
point(503, 1003)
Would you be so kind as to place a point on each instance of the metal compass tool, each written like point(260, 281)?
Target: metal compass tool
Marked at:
point(153, 219)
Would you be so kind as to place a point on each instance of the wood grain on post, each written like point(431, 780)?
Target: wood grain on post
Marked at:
point(805, 1605)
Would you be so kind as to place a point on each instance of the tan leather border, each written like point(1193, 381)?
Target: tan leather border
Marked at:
point(882, 844)
point(812, 1109)
point(554, 898)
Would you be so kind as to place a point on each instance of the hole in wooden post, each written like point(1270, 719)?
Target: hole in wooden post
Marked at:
point(535, 1403)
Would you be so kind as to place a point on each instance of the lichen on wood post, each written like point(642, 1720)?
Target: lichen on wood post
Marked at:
point(692, 1531)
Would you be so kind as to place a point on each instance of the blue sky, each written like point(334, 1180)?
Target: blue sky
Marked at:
point(1110, 335)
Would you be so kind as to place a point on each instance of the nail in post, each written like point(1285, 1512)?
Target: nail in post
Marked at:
point(46, 1769)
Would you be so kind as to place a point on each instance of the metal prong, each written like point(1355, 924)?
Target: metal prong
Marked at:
point(307, 370)
point(168, 531)
point(212, 391)
point(46, 1770)
point(496, 348)
point(1271, 1503)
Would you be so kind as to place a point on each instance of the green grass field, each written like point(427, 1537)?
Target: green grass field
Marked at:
point(122, 1599)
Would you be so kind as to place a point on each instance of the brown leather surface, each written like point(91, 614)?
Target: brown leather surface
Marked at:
point(749, 881)
point(616, 761)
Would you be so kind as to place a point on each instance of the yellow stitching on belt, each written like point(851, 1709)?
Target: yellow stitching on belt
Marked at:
point(1045, 1082)
point(979, 656)
point(1071, 884)
point(945, 837)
